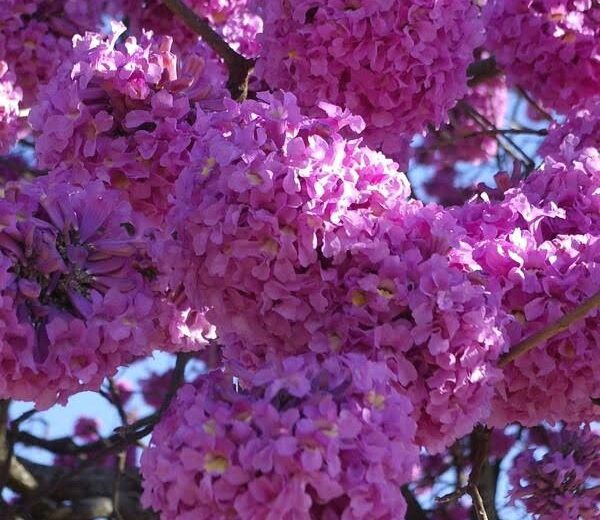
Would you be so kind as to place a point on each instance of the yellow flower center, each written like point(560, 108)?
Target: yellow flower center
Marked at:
point(215, 463)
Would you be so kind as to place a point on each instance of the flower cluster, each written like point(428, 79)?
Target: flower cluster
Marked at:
point(539, 250)
point(11, 124)
point(308, 438)
point(233, 19)
point(462, 138)
point(579, 131)
point(122, 113)
point(36, 37)
point(548, 47)
point(265, 188)
point(555, 480)
point(297, 239)
point(398, 64)
point(76, 292)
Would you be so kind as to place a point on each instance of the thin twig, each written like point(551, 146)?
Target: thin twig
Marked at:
point(478, 505)
point(115, 399)
point(480, 448)
point(512, 148)
point(480, 443)
point(535, 105)
point(238, 66)
point(551, 330)
point(414, 511)
point(97, 450)
point(116, 499)
point(503, 131)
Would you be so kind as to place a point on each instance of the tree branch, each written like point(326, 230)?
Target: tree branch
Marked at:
point(507, 131)
point(535, 105)
point(95, 451)
point(482, 70)
point(414, 511)
point(92, 487)
point(123, 436)
point(480, 443)
point(533, 341)
point(239, 67)
point(480, 447)
point(512, 148)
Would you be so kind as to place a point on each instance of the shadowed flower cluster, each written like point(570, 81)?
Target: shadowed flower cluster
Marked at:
point(398, 64)
point(548, 47)
point(307, 438)
point(76, 291)
point(123, 113)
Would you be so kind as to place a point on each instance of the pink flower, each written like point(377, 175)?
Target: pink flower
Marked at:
point(559, 484)
point(398, 64)
point(122, 113)
point(77, 297)
point(548, 47)
point(343, 448)
point(36, 37)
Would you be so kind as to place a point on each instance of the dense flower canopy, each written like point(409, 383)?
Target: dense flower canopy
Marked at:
point(351, 249)
point(122, 113)
point(538, 41)
point(398, 64)
point(36, 35)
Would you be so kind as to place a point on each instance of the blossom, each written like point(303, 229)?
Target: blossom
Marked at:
point(398, 64)
point(579, 131)
point(251, 212)
point(308, 438)
point(541, 264)
point(11, 124)
point(122, 113)
point(559, 484)
point(87, 428)
point(295, 239)
point(36, 37)
point(235, 20)
point(76, 292)
point(548, 47)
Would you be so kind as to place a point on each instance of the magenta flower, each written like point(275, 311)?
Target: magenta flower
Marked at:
point(121, 113)
point(548, 47)
point(560, 484)
point(36, 37)
point(398, 64)
point(235, 20)
point(538, 251)
point(341, 446)
point(77, 291)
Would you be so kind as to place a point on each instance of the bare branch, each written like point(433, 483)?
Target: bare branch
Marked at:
point(88, 487)
point(478, 504)
point(414, 511)
point(123, 436)
point(508, 131)
point(512, 148)
point(239, 67)
point(535, 105)
point(535, 340)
